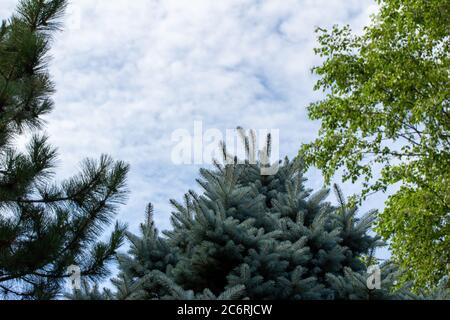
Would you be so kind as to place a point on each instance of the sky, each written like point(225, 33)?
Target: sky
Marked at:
point(130, 73)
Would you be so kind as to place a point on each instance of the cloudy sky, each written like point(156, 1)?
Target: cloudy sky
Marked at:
point(130, 73)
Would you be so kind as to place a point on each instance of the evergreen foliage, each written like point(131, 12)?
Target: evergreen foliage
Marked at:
point(251, 236)
point(45, 227)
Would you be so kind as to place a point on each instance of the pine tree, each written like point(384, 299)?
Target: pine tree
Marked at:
point(253, 236)
point(45, 227)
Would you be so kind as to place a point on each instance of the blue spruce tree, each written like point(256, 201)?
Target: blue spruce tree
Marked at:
point(253, 236)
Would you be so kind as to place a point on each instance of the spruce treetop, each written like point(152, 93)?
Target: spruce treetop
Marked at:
point(253, 236)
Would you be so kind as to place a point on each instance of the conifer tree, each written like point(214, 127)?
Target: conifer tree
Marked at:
point(253, 236)
point(45, 227)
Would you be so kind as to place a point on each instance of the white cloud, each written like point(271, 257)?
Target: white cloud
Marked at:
point(129, 73)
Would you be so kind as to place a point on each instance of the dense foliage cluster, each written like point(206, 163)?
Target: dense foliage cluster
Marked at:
point(387, 106)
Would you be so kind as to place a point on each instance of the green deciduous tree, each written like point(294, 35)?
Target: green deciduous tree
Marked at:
point(45, 227)
point(387, 105)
